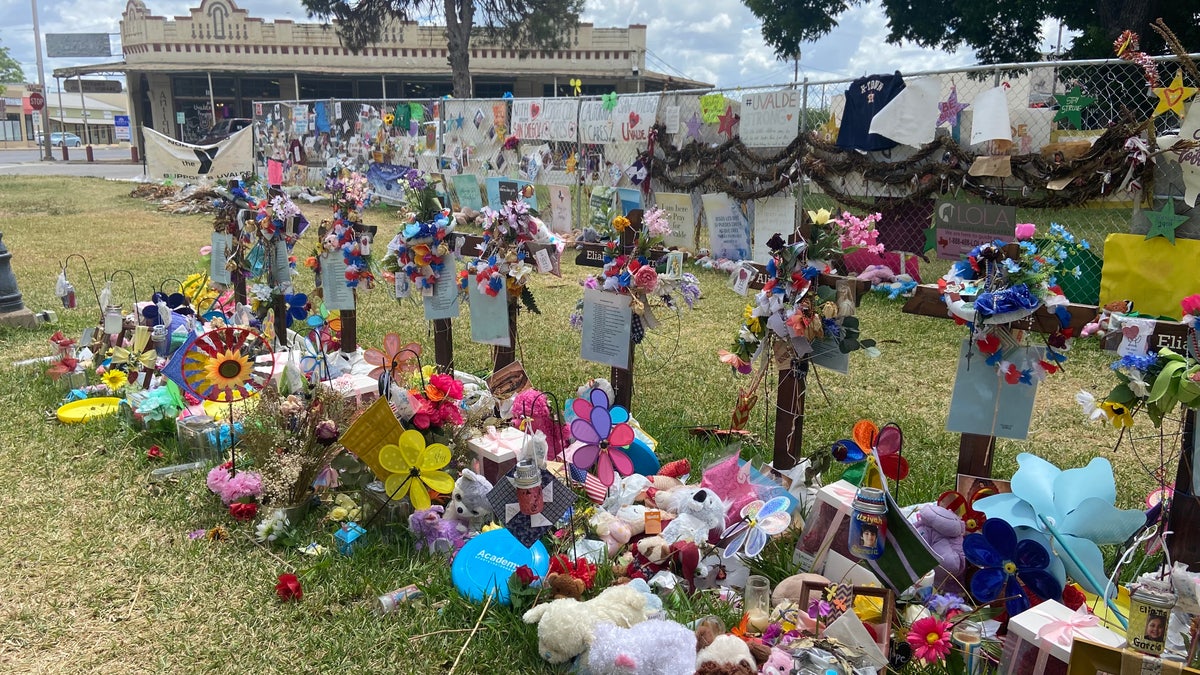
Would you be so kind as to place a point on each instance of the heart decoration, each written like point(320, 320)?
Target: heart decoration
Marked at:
point(534, 109)
point(1130, 332)
point(789, 117)
point(1173, 95)
point(634, 118)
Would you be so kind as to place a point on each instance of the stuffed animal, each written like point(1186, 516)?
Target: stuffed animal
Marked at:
point(778, 663)
point(730, 480)
point(566, 627)
point(878, 274)
point(532, 404)
point(616, 531)
point(433, 532)
point(943, 530)
point(469, 506)
point(697, 512)
point(727, 655)
point(565, 586)
point(597, 383)
point(654, 647)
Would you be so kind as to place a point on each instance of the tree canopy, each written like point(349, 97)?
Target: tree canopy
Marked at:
point(535, 24)
point(10, 70)
point(999, 32)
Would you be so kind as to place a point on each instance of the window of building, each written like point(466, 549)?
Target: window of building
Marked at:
point(313, 88)
point(197, 87)
point(260, 89)
point(492, 89)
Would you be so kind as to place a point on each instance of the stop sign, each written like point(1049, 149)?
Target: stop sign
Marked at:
point(37, 101)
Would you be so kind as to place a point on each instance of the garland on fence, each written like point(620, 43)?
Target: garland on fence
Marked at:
point(743, 173)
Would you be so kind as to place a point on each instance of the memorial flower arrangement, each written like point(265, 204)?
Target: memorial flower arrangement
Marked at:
point(504, 261)
point(1004, 282)
point(350, 193)
point(834, 236)
point(419, 250)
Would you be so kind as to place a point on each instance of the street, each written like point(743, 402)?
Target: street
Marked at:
point(111, 162)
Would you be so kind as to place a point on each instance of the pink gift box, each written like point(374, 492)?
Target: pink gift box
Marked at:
point(1040, 638)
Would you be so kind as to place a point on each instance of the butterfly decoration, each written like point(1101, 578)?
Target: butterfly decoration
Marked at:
point(297, 307)
point(965, 506)
point(610, 101)
point(886, 443)
point(605, 434)
point(759, 521)
point(576, 86)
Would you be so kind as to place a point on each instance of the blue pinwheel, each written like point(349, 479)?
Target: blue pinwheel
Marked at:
point(1009, 566)
point(759, 521)
point(1074, 507)
point(297, 307)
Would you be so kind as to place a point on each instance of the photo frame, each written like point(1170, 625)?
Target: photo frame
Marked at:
point(845, 597)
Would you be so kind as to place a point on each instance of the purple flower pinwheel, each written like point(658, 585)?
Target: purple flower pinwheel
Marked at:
point(1008, 567)
point(604, 433)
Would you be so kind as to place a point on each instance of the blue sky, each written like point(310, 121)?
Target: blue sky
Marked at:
point(715, 41)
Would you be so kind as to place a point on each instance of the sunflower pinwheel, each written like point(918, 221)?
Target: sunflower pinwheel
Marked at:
point(227, 364)
point(137, 354)
point(415, 468)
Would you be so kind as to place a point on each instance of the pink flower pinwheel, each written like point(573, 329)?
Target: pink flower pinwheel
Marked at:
point(393, 358)
point(604, 432)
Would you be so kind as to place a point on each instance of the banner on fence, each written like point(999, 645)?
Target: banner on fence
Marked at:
point(545, 119)
point(961, 226)
point(770, 118)
point(176, 160)
point(682, 215)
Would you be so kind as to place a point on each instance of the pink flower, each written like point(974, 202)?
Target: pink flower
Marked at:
point(646, 278)
point(242, 485)
point(205, 250)
point(930, 639)
point(1025, 231)
point(1191, 304)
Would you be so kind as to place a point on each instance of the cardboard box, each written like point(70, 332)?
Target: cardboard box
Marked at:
point(1027, 653)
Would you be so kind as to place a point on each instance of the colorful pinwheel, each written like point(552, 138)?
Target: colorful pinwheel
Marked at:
point(886, 443)
point(227, 364)
point(965, 506)
point(415, 468)
point(313, 363)
point(604, 432)
point(394, 359)
point(326, 328)
point(1008, 567)
point(759, 521)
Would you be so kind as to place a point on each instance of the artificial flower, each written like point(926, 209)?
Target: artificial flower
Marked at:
point(196, 534)
point(819, 608)
point(217, 533)
point(526, 575)
point(620, 223)
point(1118, 413)
point(416, 468)
point(738, 363)
point(395, 358)
point(243, 511)
point(820, 216)
point(930, 639)
point(234, 487)
point(1025, 231)
point(580, 569)
point(154, 452)
point(646, 278)
point(1008, 566)
point(288, 588)
point(115, 379)
point(271, 527)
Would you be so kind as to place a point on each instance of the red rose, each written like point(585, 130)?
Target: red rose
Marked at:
point(289, 588)
point(243, 510)
point(526, 575)
point(154, 452)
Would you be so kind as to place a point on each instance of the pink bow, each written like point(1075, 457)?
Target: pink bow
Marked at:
point(502, 442)
point(1062, 631)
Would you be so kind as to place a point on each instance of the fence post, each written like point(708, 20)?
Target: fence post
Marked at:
point(443, 329)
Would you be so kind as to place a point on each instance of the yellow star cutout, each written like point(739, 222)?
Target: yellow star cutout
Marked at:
point(829, 130)
point(1172, 97)
point(571, 162)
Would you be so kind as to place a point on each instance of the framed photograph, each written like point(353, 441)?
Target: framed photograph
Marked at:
point(877, 604)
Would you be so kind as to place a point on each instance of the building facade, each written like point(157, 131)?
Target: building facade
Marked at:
point(184, 72)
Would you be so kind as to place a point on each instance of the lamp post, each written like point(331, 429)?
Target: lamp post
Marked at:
point(37, 45)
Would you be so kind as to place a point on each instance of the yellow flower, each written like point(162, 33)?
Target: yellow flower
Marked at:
point(228, 370)
point(115, 379)
point(620, 223)
point(338, 513)
point(1118, 413)
point(820, 217)
point(415, 469)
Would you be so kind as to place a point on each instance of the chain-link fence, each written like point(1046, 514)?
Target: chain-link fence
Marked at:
point(766, 155)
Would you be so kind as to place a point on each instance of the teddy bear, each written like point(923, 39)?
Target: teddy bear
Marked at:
point(697, 511)
point(469, 507)
point(652, 555)
point(778, 663)
point(565, 586)
point(654, 647)
point(943, 530)
point(566, 627)
point(434, 532)
point(727, 655)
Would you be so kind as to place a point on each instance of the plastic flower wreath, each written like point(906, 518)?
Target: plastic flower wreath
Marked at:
point(416, 468)
point(604, 432)
point(350, 194)
point(930, 639)
point(1008, 566)
point(419, 251)
point(502, 263)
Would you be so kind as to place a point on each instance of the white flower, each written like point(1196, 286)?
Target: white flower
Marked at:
point(1139, 386)
point(519, 270)
point(261, 292)
point(271, 527)
point(1088, 402)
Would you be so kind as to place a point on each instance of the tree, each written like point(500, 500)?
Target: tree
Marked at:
point(536, 24)
point(10, 70)
point(999, 32)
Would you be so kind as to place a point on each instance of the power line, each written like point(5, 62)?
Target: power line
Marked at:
point(666, 65)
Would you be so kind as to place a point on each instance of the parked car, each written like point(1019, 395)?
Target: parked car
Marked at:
point(59, 139)
point(224, 129)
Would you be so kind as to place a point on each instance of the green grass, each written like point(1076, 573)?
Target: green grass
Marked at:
point(103, 578)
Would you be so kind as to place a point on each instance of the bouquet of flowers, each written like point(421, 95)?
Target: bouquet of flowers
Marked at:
point(419, 250)
point(832, 237)
point(504, 262)
point(350, 193)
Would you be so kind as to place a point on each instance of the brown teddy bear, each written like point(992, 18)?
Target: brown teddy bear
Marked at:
point(565, 586)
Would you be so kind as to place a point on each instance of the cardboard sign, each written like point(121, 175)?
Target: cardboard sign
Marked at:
point(770, 119)
point(962, 226)
point(728, 227)
point(546, 119)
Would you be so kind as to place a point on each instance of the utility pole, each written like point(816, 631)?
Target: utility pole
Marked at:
point(45, 111)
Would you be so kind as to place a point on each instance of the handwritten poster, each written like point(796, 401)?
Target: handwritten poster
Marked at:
point(443, 302)
point(770, 118)
point(607, 324)
point(334, 291)
point(671, 118)
point(595, 123)
point(712, 106)
point(633, 117)
point(678, 207)
point(546, 119)
point(560, 208)
point(773, 215)
point(489, 317)
point(728, 227)
point(466, 189)
point(220, 254)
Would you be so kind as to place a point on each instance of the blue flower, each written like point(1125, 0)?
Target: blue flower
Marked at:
point(811, 273)
point(1011, 266)
point(1008, 567)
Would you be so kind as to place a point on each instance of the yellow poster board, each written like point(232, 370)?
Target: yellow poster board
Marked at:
point(1154, 273)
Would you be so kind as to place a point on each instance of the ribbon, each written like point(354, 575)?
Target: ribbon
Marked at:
point(500, 442)
point(576, 86)
point(1062, 631)
point(1139, 154)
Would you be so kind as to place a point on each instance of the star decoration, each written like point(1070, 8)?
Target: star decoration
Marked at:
point(693, 125)
point(458, 121)
point(829, 130)
point(1163, 223)
point(1188, 158)
point(728, 119)
point(1071, 104)
point(571, 162)
point(1172, 97)
point(950, 109)
point(930, 239)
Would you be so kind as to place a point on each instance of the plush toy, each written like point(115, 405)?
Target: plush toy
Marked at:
point(597, 383)
point(778, 663)
point(651, 555)
point(730, 480)
point(943, 530)
point(727, 655)
point(878, 274)
point(654, 647)
point(469, 506)
point(532, 404)
point(565, 586)
point(616, 531)
point(433, 532)
point(566, 627)
point(697, 512)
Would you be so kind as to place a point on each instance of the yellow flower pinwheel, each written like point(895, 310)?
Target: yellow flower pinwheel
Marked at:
point(415, 469)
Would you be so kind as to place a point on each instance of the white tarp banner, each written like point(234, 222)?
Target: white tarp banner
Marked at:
point(230, 158)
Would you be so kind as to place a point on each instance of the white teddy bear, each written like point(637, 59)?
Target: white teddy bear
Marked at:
point(469, 505)
point(697, 511)
point(566, 626)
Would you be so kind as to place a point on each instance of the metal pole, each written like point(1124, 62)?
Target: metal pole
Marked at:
point(61, 127)
point(87, 135)
point(212, 102)
point(383, 82)
point(44, 112)
point(296, 83)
